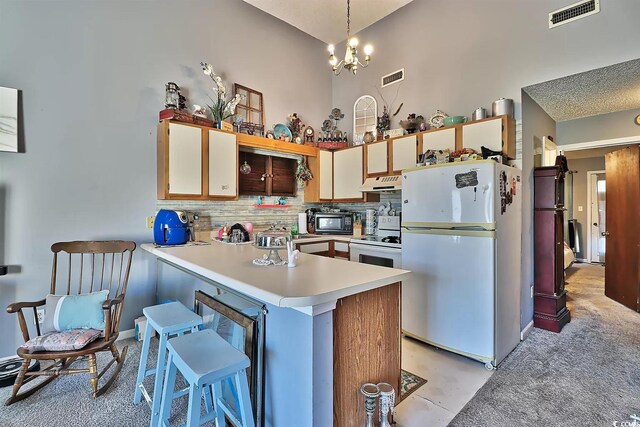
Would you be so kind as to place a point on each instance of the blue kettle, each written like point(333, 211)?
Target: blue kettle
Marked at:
point(171, 228)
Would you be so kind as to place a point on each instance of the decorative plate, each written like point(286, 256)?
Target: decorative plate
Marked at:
point(282, 132)
point(436, 119)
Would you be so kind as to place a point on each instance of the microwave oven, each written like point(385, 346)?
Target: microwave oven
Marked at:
point(334, 223)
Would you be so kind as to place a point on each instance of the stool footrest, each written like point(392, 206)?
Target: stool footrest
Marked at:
point(222, 405)
point(150, 372)
point(181, 393)
point(145, 394)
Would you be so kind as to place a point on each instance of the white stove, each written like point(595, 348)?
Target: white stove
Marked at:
point(382, 249)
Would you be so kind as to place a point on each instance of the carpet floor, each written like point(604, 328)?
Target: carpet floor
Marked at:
point(589, 374)
point(67, 400)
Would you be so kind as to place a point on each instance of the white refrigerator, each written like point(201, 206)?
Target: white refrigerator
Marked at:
point(461, 238)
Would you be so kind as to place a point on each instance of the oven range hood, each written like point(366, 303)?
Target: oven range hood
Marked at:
point(382, 184)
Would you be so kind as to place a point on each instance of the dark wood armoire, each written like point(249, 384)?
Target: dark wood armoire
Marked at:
point(550, 297)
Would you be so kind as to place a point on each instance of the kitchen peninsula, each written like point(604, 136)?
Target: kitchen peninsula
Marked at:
point(331, 325)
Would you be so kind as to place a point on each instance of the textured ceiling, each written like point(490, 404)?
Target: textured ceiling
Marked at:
point(605, 90)
point(326, 20)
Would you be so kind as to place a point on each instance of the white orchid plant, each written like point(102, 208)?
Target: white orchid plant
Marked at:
point(221, 107)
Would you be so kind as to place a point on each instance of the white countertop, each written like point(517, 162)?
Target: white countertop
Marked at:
point(316, 281)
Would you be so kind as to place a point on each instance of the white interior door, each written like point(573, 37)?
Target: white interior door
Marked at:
point(597, 209)
point(461, 193)
point(448, 300)
point(550, 152)
point(185, 159)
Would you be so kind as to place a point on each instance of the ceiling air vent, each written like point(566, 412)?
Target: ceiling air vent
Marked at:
point(395, 77)
point(575, 11)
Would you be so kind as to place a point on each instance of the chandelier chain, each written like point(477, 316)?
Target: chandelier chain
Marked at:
point(348, 21)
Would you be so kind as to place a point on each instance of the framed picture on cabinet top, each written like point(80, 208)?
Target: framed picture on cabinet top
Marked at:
point(251, 107)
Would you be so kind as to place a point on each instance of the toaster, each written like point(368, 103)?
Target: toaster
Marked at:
point(171, 228)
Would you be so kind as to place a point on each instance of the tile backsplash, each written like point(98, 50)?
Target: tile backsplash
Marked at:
point(215, 214)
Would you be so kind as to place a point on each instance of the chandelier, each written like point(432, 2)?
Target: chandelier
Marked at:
point(350, 61)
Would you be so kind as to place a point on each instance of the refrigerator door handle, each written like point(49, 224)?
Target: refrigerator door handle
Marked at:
point(447, 232)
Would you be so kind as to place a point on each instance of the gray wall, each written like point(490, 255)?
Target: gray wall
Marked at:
point(92, 76)
point(580, 196)
point(459, 55)
point(537, 124)
point(605, 126)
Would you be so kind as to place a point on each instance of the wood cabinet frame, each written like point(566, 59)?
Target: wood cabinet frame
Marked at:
point(163, 190)
point(332, 252)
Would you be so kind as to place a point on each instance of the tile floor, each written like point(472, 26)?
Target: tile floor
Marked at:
point(452, 381)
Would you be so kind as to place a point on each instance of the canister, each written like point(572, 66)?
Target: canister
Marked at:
point(479, 114)
point(502, 106)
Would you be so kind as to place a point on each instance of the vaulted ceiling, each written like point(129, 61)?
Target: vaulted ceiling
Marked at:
point(326, 20)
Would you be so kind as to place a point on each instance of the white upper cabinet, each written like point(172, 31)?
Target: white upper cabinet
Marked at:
point(377, 154)
point(185, 159)
point(405, 153)
point(439, 140)
point(326, 174)
point(486, 133)
point(348, 173)
point(223, 164)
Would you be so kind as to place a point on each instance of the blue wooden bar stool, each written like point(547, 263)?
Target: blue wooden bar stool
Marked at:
point(205, 359)
point(167, 319)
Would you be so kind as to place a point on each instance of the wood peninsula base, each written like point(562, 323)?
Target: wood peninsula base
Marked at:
point(366, 349)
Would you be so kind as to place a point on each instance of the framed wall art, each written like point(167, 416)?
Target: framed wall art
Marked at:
point(8, 119)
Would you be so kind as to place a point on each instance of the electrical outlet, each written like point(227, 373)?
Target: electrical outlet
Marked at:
point(580, 209)
point(40, 316)
point(150, 221)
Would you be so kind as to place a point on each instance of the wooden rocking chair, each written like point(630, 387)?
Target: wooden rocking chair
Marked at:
point(105, 265)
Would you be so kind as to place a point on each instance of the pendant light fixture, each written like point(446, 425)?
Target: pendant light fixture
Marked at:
point(245, 168)
point(350, 61)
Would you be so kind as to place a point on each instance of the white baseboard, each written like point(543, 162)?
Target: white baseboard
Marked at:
point(129, 333)
point(581, 260)
point(526, 331)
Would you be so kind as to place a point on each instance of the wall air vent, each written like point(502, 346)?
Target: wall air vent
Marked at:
point(395, 77)
point(575, 11)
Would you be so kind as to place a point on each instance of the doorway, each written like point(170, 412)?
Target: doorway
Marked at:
point(596, 216)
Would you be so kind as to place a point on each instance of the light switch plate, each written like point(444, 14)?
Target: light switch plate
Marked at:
point(150, 221)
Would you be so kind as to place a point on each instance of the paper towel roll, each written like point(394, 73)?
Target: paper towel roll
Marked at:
point(302, 223)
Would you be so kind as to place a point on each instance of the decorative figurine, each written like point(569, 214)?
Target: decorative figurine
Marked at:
point(199, 111)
